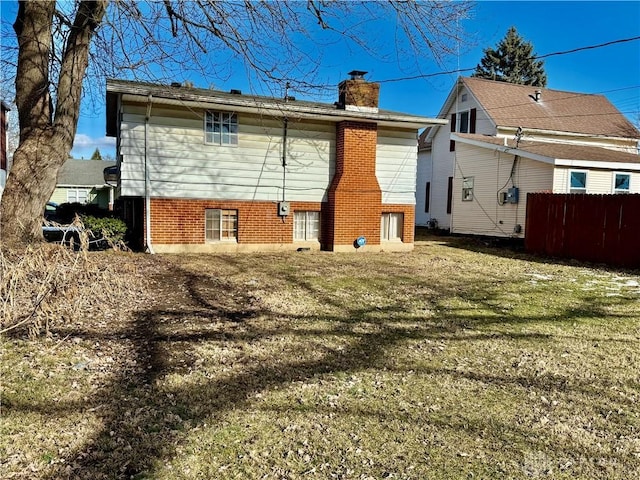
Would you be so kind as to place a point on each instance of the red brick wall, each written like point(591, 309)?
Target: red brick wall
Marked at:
point(408, 230)
point(354, 195)
point(181, 221)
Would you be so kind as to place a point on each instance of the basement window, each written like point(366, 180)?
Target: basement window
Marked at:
point(221, 225)
point(391, 225)
point(221, 128)
point(306, 226)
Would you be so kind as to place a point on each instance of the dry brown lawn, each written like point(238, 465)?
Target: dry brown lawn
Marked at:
point(457, 360)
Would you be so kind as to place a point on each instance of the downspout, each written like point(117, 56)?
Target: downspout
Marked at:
point(284, 157)
point(147, 179)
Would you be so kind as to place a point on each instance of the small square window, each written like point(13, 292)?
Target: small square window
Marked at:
point(621, 183)
point(467, 189)
point(463, 97)
point(306, 226)
point(221, 128)
point(578, 181)
point(221, 225)
point(391, 225)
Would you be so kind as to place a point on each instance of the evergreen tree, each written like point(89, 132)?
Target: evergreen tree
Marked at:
point(96, 155)
point(512, 61)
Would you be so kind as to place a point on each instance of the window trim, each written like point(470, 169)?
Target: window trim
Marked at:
point(586, 179)
point(618, 190)
point(307, 223)
point(233, 121)
point(385, 237)
point(221, 229)
point(467, 191)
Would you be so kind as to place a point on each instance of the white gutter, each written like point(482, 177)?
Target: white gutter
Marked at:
point(560, 162)
point(558, 133)
point(147, 179)
point(292, 110)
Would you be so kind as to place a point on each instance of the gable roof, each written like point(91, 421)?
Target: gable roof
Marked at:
point(560, 154)
point(278, 107)
point(515, 106)
point(83, 173)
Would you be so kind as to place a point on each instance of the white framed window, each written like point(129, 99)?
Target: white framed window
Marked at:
point(463, 122)
point(463, 97)
point(221, 225)
point(578, 181)
point(391, 225)
point(306, 225)
point(621, 182)
point(467, 189)
point(77, 195)
point(221, 128)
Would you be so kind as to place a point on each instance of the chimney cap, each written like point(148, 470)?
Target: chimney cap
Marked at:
point(357, 74)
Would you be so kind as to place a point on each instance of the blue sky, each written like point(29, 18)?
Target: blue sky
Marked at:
point(613, 71)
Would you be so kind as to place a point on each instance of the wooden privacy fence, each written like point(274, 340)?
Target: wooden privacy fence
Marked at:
point(594, 228)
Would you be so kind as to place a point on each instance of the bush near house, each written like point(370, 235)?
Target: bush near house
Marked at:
point(105, 230)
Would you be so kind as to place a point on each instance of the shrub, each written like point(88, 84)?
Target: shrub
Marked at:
point(108, 229)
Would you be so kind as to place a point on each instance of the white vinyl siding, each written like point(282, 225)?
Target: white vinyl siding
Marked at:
point(598, 181)
point(396, 163)
point(443, 160)
point(181, 165)
point(490, 171)
point(423, 177)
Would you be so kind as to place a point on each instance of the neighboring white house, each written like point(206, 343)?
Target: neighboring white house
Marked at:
point(505, 140)
point(204, 170)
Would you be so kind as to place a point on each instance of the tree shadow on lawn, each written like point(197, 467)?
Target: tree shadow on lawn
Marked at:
point(145, 415)
point(514, 249)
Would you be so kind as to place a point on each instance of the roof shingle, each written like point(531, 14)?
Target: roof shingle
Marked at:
point(511, 105)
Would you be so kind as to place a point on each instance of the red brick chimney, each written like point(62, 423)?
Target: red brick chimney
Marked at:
point(356, 94)
point(355, 199)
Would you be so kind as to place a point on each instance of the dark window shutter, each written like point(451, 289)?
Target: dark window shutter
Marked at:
point(472, 121)
point(449, 194)
point(452, 144)
point(427, 196)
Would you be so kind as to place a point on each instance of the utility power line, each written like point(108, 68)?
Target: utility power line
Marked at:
point(535, 57)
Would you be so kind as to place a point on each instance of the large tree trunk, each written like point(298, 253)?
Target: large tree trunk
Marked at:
point(46, 135)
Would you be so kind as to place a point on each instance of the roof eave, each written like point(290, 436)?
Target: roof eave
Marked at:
point(265, 105)
point(559, 162)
